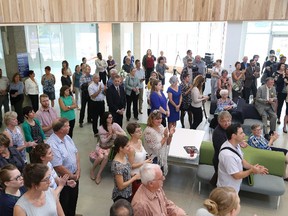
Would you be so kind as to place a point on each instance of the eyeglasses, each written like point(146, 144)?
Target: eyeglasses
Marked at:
point(257, 129)
point(17, 178)
point(110, 117)
point(47, 179)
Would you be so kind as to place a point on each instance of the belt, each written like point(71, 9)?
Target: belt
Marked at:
point(99, 101)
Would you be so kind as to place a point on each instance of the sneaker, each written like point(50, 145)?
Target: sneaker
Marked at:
point(81, 125)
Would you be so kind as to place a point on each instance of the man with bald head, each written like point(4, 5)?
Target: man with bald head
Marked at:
point(150, 198)
point(96, 91)
point(244, 63)
point(121, 208)
point(200, 64)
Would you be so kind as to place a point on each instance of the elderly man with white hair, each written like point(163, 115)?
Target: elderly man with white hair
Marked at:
point(150, 198)
point(96, 91)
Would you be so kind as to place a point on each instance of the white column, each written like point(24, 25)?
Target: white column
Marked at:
point(234, 42)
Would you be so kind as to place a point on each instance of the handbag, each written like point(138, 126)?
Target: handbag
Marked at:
point(109, 144)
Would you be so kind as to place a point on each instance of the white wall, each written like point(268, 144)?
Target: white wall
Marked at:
point(232, 46)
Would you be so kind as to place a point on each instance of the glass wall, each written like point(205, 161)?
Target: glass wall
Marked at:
point(263, 36)
point(49, 45)
point(177, 38)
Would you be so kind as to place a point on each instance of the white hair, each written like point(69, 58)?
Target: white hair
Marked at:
point(148, 172)
point(224, 92)
point(173, 79)
point(113, 71)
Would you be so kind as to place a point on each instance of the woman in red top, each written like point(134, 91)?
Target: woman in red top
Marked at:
point(148, 64)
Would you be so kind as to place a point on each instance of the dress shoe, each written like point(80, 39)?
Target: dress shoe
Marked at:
point(81, 125)
point(140, 112)
point(284, 130)
point(136, 118)
point(278, 121)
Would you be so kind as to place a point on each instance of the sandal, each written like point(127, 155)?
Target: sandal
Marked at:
point(92, 176)
point(98, 180)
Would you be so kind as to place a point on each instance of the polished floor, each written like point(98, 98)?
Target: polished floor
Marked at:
point(181, 184)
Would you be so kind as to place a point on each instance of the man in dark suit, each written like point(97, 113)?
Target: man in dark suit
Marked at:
point(116, 100)
point(256, 58)
point(251, 75)
point(244, 63)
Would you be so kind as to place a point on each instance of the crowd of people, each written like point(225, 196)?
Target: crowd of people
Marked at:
point(138, 169)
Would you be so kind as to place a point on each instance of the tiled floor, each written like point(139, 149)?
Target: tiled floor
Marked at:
point(181, 184)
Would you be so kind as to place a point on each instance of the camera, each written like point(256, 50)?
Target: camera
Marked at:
point(195, 68)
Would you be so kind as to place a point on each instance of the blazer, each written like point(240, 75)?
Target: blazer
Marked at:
point(243, 65)
point(249, 77)
point(131, 82)
point(261, 99)
point(114, 101)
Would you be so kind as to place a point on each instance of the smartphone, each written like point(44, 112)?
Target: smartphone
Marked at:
point(191, 150)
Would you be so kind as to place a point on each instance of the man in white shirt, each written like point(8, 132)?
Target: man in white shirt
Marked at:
point(231, 161)
point(4, 86)
point(97, 95)
point(32, 90)
point(101, 66)
point(140, 74)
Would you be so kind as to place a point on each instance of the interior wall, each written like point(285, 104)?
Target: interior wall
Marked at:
point(62, 11)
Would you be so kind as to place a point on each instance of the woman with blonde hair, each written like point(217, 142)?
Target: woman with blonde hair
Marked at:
point(15, 134)
point(197, 100)
point(222, 201)
point(157, 139)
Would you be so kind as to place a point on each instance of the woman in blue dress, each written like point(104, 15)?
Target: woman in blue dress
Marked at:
point(175, 100)
point(158, 101)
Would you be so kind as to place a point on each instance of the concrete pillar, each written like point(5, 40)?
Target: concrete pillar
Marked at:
point(233, 40)
point(16, 44)
point(137, 41)
point(116, 44)
point(69, 42)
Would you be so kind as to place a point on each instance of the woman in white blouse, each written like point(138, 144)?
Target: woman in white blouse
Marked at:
point(32, 90)
point(157, 139)
point(197, 100)
point(215, 75)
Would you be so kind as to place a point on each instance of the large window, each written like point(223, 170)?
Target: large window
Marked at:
point(174, 38)
point(49, 45)
point(263, 36)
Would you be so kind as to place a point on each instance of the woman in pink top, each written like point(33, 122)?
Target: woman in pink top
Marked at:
point(108, 132)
